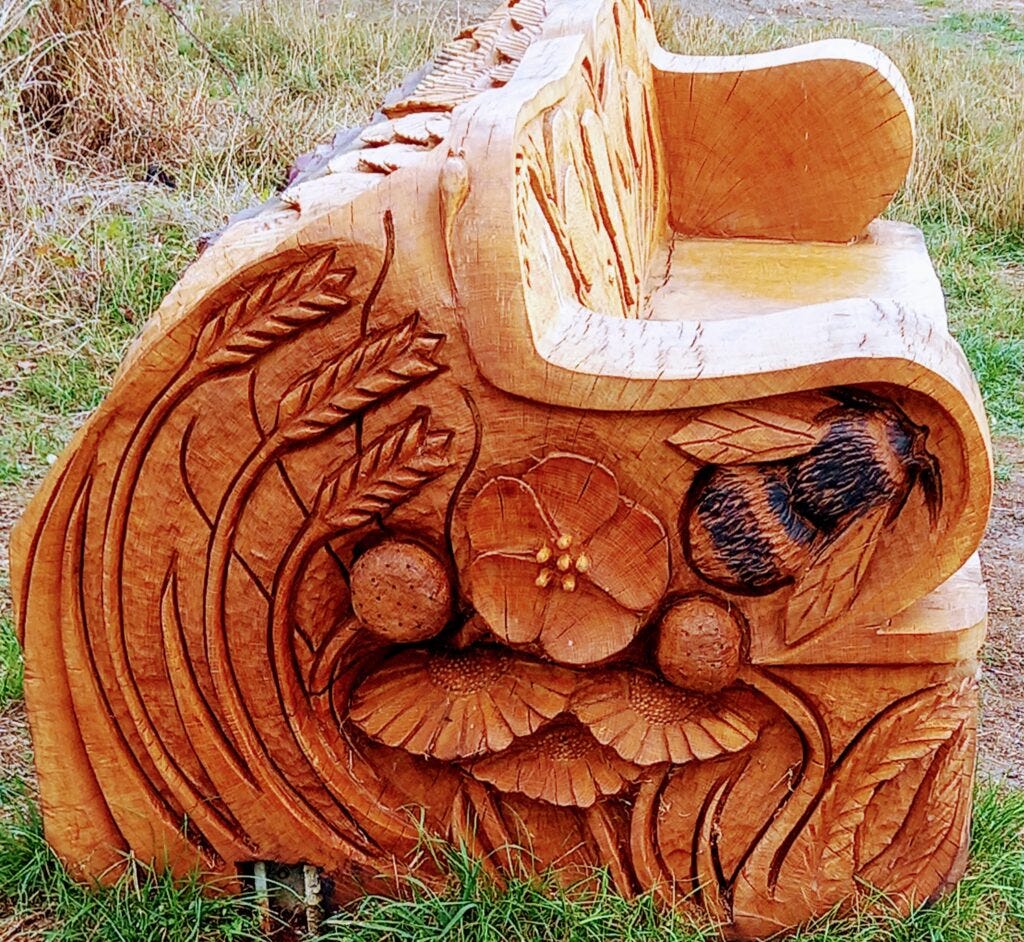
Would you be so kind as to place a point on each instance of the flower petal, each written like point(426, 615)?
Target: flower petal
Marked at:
point(653, 722)
point(577, 494)
point(506, 596)
point(454, 705)
point(562, 764)
point(505, 518)
point(629, 557)
point(585, 626)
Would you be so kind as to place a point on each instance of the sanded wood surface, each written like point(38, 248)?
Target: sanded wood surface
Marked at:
point(570, 466)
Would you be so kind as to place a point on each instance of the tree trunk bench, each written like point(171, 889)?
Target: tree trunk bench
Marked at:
point(572, 466)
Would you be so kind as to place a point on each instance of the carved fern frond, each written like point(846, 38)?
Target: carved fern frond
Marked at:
point(390, 470)
point(274, 309)
point(830, 585)
point(378, 366)
point(737, 434)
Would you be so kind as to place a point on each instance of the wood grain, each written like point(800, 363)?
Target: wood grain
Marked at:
point(523, 475)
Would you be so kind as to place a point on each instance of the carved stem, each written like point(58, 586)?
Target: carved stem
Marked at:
point(760, 871)
point(391, 469)
point(331, 756)
point(126, 478)
point(220, 552)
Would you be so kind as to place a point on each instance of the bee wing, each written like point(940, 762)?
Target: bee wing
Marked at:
point(744, 433)
point(830, 584)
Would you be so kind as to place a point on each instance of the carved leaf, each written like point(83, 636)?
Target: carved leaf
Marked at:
point(378, 366)
point(921, 856)
point(822, 862)
point(390, 469)
point(274, 309)
point(830, 585)
point(736, 434)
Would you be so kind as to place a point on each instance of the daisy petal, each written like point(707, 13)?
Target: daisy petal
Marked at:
point(653, 722)
point(562, 764)
point(455, 705)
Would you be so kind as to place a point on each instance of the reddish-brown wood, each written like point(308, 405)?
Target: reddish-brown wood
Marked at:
point(524, 474)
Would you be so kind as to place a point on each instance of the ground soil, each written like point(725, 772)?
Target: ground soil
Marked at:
point(1002, 560)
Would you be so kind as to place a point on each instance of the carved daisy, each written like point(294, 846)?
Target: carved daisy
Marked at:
point(562, 764)
point(647, 721)
point(561, 559)
point(458, 704)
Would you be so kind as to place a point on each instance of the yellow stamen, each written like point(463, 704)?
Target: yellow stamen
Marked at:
point(569, 583)
point(543, 554)
point(582, 563)
point(544, 579)
point(564, 562)
point(564, 541)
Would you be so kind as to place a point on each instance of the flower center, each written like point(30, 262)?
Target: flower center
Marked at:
point(566, 743)
point(558, 564)
point(658, 702)
point(466, 672)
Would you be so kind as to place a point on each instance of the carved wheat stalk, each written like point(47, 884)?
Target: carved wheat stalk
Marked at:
point(264, 314)
point(390, 470)
point(272, 311)
point(383, 364)
point(379, 366)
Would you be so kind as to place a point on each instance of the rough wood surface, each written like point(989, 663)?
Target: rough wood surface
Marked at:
point(525, 474)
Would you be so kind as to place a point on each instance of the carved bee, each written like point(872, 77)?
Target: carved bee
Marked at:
point(755, 527)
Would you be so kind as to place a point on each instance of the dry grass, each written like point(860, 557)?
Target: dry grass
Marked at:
point(969, 101)
point(87, 245)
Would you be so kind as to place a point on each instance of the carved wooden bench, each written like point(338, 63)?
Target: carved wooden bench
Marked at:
point(570, 464)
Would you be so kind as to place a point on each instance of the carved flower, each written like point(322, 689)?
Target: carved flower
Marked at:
point(562, 764)
point(560, 558)
point(457, 704)
point(647, 721)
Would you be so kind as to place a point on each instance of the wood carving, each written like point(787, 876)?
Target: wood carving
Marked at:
point(483, 485)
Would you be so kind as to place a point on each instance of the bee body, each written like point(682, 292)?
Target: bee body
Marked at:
point(859, 464)
point(743, 532)
point(754, 528)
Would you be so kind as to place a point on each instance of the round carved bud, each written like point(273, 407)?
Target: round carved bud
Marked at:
point(401, 591)
point(699, 645)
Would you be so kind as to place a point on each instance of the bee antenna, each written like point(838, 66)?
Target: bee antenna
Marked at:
point(930, 477)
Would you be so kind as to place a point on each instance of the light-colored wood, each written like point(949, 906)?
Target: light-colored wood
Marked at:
point(526, 474)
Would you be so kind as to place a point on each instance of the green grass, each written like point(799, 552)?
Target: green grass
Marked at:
point(59, 367)
point(996, 30)
point(12, 671)
point(982, 275)
point(140, 907)
point(987, 906)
